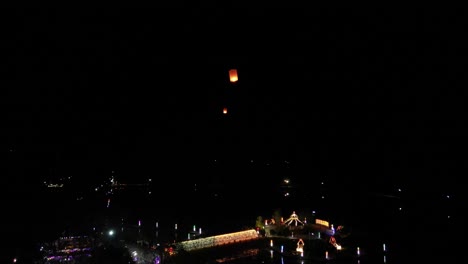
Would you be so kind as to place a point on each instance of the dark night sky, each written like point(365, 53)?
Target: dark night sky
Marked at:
point(375, 96)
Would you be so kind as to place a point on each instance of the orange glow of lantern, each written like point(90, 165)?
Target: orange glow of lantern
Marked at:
point(233, 76)
point(225, 110)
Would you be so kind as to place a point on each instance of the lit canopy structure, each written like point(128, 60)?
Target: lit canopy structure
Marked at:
point(293, 219)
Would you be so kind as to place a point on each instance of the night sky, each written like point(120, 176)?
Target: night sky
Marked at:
point(367, 100)
point(365, 97)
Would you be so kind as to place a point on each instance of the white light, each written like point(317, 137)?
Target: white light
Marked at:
point(111, 232)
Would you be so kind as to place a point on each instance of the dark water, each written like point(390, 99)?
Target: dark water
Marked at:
point(416, 233)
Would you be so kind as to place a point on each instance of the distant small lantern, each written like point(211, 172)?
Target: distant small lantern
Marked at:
point(225, 110)
point(233, 76)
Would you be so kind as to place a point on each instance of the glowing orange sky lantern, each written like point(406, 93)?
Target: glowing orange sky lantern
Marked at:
point(225, 110)
point(233, 75)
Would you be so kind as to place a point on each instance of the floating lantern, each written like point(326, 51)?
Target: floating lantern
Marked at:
point(233, 76)
point(225, 110)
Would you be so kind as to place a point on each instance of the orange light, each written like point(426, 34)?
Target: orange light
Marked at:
point(233, 76)
point(225, 110)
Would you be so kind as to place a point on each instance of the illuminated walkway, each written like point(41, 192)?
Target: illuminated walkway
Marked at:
point(219, 240)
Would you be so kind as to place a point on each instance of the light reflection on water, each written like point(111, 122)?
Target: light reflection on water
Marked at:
point(276, 258)
point(283, 260)
point(368, 254)
point(289, 256)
